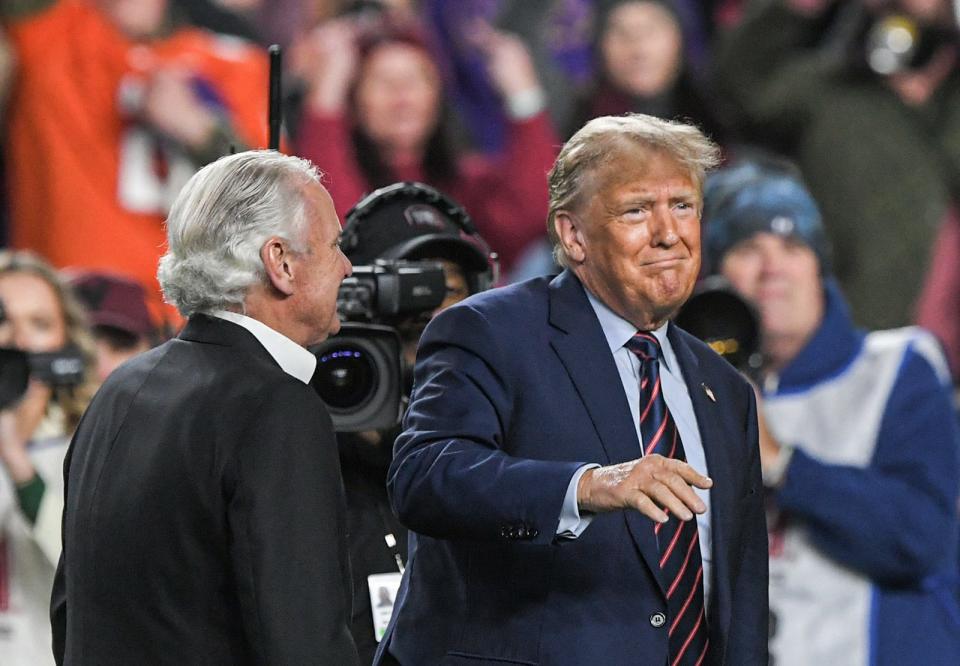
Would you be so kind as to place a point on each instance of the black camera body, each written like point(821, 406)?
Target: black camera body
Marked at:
point(59, 369)
point(717, 315)
point(391, 289)
point(398, 238)
point(359, 373)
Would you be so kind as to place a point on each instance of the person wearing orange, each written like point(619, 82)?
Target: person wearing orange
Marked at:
point(115, 106)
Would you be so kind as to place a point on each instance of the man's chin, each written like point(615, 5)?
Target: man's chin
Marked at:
point(334, 328)
point(670, 303)
point(320, 336)
point(674, 293)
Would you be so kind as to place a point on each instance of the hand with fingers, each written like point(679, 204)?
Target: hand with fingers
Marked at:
point(17, 424)
point(327, 59)
point(653, 485)
point(508, 60)
point(173, 107)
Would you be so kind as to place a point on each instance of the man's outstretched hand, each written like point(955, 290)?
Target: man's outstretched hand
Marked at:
point(652, 485)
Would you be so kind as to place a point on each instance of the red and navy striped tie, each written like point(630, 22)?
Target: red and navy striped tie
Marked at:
point(678, 541)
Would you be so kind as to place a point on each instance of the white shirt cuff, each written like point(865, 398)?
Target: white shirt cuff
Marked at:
point(571, 524)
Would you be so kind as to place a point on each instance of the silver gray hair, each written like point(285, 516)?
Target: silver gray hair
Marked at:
point(220, 221)
point(601, 139)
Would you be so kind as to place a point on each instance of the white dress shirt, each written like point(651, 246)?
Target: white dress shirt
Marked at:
point(617, 332)
point(295, 360)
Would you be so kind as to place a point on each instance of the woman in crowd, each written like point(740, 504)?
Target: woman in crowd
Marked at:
point(642, 67)
point(41, 315)
point(374, 113)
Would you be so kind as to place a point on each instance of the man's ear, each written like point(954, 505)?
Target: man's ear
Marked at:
point(568, 228)
point(278, 265)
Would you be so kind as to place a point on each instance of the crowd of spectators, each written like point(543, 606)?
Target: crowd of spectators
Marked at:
point(108, 106)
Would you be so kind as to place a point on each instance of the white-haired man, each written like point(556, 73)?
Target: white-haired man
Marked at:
point(204, 517)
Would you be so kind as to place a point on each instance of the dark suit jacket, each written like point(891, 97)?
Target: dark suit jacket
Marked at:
point(515, 389)
point(204, 519)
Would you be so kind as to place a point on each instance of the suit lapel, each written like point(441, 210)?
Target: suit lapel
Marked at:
point(585, 355)
point(720, 467)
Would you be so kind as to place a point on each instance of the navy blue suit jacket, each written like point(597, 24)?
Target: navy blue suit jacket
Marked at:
point(515, 389)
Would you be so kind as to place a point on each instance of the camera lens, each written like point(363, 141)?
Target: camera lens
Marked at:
point(358, 377)
point(346, 377)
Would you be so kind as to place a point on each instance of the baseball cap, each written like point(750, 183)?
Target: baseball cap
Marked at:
point(113, 300)
point(413, 221)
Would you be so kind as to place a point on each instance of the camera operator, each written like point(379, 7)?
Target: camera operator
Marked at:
point(41, 315)
point(859, 445)
point(407, 227)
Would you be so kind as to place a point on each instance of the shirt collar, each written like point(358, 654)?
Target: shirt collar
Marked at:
point(291, 357)
point(618, 331)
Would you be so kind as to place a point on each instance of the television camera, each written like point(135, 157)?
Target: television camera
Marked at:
point(397, 235)
point(359, 371)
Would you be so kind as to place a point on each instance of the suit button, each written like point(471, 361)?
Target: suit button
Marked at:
point(658, 619)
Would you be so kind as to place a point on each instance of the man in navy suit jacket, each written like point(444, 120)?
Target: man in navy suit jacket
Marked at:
point(521, 472)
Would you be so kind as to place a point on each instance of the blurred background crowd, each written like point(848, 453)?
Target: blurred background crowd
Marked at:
point(108, 106)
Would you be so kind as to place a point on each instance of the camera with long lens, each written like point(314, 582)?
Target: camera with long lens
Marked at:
point(359, 371)
point(59, 369)
point(398, 238)
point(728, 324)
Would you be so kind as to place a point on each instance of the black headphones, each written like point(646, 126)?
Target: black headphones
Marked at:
point(397, 236)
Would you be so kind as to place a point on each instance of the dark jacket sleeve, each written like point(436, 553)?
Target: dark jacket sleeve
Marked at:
point(904, 502)
point(454, 474)
point(58, 614)
point(286, 513)
point(58, 597)
point(747, 642)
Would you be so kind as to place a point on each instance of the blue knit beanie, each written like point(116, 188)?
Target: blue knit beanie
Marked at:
point(747, 199)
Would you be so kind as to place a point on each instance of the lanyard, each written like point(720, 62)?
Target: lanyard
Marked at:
point(389, 538)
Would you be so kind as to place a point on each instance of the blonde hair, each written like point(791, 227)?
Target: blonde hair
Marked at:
point(595, 143)
point(72, 400)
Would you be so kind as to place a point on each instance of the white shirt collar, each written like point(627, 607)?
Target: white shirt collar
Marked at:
point(295, 360)
point(618, 331)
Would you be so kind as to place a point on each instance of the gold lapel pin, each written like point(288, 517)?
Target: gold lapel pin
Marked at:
point(709, 392)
